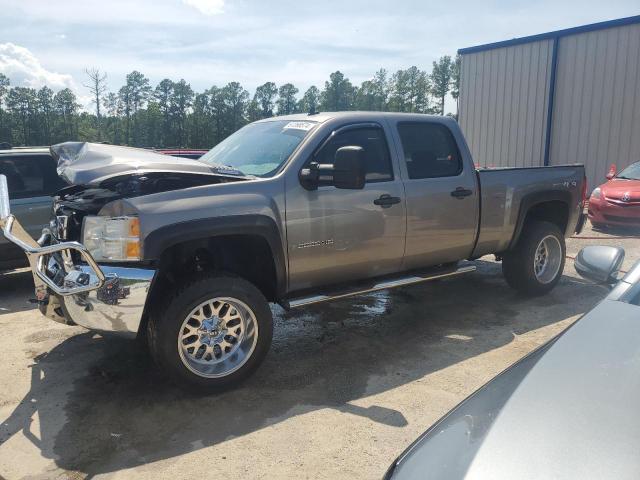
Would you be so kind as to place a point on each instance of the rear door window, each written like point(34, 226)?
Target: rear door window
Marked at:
point(430, 151)
point(30, 175)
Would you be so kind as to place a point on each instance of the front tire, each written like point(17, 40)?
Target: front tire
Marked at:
point(536, 263)
point(212, 333)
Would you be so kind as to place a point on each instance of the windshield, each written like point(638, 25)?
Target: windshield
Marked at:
point(632, 172)
point(258, 149)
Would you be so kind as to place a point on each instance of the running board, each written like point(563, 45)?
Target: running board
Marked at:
point(377, 284)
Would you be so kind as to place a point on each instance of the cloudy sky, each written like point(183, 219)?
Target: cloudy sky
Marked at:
point(212, 42)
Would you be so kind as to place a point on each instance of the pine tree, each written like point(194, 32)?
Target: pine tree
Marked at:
point(338, 94)
point(265, 96)
point(287, 103)
point(441, 80)
point(310, 101)
point(455, 80)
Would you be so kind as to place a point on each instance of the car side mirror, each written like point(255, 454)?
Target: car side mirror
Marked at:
point(347, 171)
point(612, 172)
point(600, 264)
point(349, 168)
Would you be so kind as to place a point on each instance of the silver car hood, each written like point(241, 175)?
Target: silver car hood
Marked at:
point(83, 163)
point(568, 410)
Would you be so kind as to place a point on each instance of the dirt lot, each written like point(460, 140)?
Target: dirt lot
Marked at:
point(346, 387)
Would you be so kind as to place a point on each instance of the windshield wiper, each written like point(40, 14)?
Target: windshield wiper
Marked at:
point(227, 170)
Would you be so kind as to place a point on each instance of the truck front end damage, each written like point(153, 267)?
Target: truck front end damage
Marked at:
point(77, 263)
point(71, 287)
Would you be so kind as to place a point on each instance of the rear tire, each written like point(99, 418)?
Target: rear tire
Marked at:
point(212, 333)
point(536, 263)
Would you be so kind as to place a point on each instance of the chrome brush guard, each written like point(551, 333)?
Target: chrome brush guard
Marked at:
point(36, 253)
point(105, 298)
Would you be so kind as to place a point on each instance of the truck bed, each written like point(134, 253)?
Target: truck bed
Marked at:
point(505, 191)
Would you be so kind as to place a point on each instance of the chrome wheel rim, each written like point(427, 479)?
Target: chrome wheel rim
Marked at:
point(217, 337)
point(547, 259)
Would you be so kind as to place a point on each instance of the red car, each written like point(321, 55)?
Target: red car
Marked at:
point(617, 202)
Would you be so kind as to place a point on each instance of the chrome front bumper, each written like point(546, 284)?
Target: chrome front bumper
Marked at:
point(98, 297)
point(116, 306)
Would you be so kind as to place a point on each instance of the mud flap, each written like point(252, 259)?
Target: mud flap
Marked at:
point(581, 221)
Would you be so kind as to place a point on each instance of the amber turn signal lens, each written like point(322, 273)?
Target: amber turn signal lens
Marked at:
point(134, 227)
point(133, 250)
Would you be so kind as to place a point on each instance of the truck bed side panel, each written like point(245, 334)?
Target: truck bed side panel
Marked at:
point(503, 192)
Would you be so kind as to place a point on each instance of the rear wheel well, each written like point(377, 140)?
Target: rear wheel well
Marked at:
point(554, 211)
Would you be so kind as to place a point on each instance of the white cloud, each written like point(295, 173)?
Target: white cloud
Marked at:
point(207, 7)
point(25, 69)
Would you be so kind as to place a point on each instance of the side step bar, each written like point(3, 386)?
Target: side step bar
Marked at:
point(378, 284)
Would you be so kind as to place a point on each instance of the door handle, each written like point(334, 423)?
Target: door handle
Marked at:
point(461, 192)
point(386, 200)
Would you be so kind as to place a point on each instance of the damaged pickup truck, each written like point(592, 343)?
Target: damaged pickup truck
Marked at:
point(291, 210)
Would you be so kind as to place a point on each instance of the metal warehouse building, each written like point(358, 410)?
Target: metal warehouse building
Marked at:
point(570, 96)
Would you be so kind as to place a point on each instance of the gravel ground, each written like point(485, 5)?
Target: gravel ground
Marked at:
point(346, 387)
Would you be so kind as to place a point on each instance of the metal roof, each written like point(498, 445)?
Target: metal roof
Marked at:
point(552, 35)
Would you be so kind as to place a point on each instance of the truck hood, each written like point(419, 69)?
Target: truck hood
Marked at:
point(83, 163)
point(568, 410)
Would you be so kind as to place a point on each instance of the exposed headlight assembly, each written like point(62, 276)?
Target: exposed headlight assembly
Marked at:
point(112, 239)
point(596, 193)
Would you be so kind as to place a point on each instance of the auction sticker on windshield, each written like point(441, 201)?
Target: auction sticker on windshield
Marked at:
point(306, 126)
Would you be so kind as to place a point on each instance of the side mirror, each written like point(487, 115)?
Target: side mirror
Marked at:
point(612, 171)
point(600, 264)
point(348, 168)
point(347, 171)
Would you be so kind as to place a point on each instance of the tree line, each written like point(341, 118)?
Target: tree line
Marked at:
point(171, 114)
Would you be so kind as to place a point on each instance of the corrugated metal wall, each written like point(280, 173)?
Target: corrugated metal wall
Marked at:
point(596, 115)
point(504, 96)
point(503, 103)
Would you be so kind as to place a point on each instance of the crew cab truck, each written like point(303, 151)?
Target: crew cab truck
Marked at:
point(291, 210)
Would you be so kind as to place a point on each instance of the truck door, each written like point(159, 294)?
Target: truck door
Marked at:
point(337, 235)
point(442, 195)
